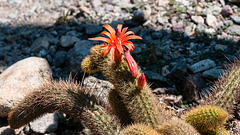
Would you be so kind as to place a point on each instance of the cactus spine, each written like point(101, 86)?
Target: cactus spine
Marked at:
point(206, 117)
point(139, 129)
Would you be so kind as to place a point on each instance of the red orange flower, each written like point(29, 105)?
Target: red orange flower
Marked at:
point(141, 81)
point(116, 41)
point(131, 64)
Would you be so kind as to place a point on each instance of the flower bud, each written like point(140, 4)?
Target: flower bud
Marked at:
point(141, 81)
point(131, 64)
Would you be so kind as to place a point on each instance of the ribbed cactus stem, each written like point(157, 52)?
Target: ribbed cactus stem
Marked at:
point(66, 97)
point(100, 122)
point(118, 107)
point(206, 117)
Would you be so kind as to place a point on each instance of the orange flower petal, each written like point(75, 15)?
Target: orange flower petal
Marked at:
point(107, 33)
point(131, 37)
point(111, 30)
point(105, 51)
point(101, 38)
point(125, 35)
point(129, 46)
point(119, 28)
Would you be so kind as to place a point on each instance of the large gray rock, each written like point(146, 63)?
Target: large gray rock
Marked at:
point(202, 65)
point(45, 124)
point(20, 79)
point(98, 88)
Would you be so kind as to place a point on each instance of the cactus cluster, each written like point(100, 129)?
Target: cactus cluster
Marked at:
point(133, 108)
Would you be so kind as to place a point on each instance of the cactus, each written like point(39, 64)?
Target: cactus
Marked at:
point(216, 131)
point(118, 107)
point(88, 66)
point(100, 122)
point(177, 127)
point(226, 91)
point(206, 117)
point(66, 97)
point(141, 104)
point(139, 129)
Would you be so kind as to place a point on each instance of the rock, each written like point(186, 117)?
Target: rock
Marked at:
point(169, 99)
point(227, 11)
point(213, 74)
point(138, 16)
point(68, 41)
point(20, 79)
point(147, 10)
point(159, 91)
point(96, 3)
point(48, 123)
point(202, 65)
point(99, 88)
point(178, 27)
point(220, 47)
point(197, 19)
point(210, 31)
point(236, 19)
point(157, 35)
point(6, 130)
point(192, 87)
point(59, 58)
point(75, 55)
point(234, 29)
point(165, 70)
point(162, 2)
point(211, 20)
point(3, 66)
point(39, 44)
point(155, 76)
point(92, 29)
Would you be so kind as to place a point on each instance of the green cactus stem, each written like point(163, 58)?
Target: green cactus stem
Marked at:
point(100, 122)
point(118, 107)
point(206, 117)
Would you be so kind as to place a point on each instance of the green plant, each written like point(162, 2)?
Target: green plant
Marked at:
point(64, 19)
point(207, 117)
